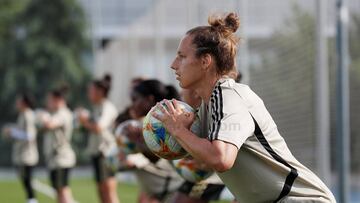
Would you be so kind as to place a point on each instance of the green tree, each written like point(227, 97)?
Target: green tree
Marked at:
point(42, 44)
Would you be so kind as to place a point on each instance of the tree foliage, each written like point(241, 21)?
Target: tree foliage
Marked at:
point(43, 44)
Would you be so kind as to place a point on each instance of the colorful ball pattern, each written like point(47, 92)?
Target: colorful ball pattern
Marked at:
point(159, 141)
point(121, 135)
point(187, 169)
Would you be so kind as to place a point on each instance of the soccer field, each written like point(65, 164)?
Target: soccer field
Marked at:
point(83, 189)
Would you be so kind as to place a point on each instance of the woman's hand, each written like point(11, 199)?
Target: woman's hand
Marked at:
point(135, 135)
point(43, 117)
point(126, 163)
point(83, 115)
point(175, 120)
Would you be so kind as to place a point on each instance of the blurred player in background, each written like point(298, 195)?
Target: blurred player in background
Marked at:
point(25, 152)
point(59, 155)
point(128, 113)
point(243, 144)
point(156, 176)
point(101, 140)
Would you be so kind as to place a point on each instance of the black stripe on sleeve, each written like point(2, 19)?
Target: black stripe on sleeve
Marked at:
point(217, 112)
point(213, 109)
point(214, 115)
point(289, 181)
point(221, 114)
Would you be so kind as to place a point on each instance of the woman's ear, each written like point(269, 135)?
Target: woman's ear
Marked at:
point(206, 61)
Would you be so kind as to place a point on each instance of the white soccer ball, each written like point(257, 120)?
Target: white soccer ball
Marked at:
point(188, 170)
point(159, 141)
point(122, 133)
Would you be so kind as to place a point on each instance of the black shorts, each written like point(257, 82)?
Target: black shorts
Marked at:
point(59, 177)
point(101, 170)
point(201, 190)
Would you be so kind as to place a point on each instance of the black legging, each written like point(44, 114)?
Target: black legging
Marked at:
point(25, 173)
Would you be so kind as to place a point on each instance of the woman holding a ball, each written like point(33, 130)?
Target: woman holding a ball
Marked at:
point(157, 178)
point(101, 141)
point(59, 155)
point(25, 151)
point(243, 145)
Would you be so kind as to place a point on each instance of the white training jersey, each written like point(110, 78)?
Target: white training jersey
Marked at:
point(57, 142)
point(158, 178)
point(264, 170)
point(104, 115)
point(25, 151)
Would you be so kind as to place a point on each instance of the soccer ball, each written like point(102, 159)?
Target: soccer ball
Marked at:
point(159, 141)
point(186, 168)
point(122, 133)
point(112, 161)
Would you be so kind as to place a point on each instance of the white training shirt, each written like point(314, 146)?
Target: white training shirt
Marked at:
point(104, 115)
point(57, 142)
point(158, 178)
point(264, 169)
point(25, 151)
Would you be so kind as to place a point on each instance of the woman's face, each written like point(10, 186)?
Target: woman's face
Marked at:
point(141, 105)
point(186, 65)
point(20, 105)
point(51, 102)
point(94, 94)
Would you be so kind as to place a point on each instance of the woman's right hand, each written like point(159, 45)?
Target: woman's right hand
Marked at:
point(83, 115)
point(135, 134)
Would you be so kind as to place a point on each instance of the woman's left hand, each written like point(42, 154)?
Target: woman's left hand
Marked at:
point(173, 117)
point(135, 135)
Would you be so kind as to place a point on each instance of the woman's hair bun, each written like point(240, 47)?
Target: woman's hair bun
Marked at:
point(107, 78)
point(104, 84)
point(60, 91)
point(226, 25)
point(64, 88)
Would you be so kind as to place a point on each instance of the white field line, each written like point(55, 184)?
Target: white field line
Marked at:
point(45, 189)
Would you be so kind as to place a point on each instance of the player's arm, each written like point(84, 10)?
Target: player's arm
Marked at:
point(90, 125)
point(105, 121)
point(17, 133)
point(218, 155)
point(52, 123)
point(27, 134)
